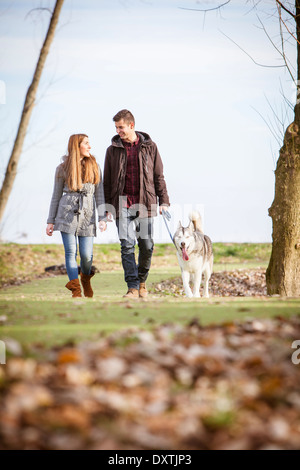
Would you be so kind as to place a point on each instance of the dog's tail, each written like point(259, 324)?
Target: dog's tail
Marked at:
point(195, 217)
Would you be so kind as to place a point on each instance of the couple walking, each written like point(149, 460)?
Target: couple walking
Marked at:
point(133, 180)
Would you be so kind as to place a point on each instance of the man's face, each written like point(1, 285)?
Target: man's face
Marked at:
point(124, 129)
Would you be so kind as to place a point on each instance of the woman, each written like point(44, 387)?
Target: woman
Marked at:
point(78, 187)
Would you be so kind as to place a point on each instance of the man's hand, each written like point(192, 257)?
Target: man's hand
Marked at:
point(162, 208)
point(49, 230)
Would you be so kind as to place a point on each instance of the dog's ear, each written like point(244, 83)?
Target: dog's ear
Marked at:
point(179, 225)
point(191, 226)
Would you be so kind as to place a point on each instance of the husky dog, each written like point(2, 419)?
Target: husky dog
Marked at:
point(195, 256)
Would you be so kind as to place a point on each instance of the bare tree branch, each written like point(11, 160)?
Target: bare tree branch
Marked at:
point(269, 126)
point(285, 9)
point(256, 63)
point(282, 21)
point(205, 10)
point(282, 52)
point(38, 9)
point(11, 170)
point(288, 105)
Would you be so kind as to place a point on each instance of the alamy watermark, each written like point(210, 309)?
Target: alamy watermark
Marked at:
point(132, 220)
point(2, 352)
point(2, 92)
point(296, 354)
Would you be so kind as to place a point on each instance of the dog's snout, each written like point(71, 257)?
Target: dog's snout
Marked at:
point(182, 245)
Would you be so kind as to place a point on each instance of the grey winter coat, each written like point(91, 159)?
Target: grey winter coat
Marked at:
point(74, 211)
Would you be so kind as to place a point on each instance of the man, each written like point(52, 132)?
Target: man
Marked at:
point(133, 180)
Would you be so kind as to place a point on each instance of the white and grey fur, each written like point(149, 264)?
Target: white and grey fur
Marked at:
point(191, 242)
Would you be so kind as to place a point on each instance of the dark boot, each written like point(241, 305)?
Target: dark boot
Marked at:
point(86, 284)
point(74, 286)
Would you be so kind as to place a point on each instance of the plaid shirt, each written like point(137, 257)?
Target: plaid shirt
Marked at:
point(132, 179)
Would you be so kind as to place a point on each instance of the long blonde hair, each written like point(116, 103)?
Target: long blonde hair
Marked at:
point(76, 170)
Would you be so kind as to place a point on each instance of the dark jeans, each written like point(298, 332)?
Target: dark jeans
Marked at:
point(130, 229)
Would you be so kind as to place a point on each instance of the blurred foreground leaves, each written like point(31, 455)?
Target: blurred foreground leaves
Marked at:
point(232, 386)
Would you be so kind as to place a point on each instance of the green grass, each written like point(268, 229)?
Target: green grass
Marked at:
point(242, 252)
point(19, 263)
point(42, 313)
point(51, 323)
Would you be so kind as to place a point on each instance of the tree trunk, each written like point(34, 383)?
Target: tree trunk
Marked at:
point(11, 170)
point(283, 273)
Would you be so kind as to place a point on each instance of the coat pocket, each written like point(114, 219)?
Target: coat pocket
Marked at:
point(88, 218)
point(66, 214)
point(151, 198)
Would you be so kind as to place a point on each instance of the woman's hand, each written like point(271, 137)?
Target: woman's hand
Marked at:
point(49, 230)
point(102, 226)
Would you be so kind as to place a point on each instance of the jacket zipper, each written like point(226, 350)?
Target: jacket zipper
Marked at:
point(146, 163)
point(123, 171)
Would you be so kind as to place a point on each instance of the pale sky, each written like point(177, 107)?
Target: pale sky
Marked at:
point(199, 96)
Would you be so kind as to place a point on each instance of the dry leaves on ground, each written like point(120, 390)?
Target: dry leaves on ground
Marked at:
point(232, 386)
point(240, 282)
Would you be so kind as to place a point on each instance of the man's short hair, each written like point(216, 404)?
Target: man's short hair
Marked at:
point(124, 114)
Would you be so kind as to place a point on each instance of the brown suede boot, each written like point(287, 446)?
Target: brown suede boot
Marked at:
point(143, 293)
point(132, 293)
point(86, 284)
point(74, 286)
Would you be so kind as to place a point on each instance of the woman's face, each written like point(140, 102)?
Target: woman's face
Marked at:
point(85, 148)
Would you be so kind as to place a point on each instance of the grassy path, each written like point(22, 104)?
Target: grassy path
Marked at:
point(41, 313)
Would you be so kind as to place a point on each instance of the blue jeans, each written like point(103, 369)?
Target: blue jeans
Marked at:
point(132, 228)
point(85, 251)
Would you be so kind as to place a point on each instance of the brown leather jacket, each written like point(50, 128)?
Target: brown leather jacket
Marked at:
point(152, 181)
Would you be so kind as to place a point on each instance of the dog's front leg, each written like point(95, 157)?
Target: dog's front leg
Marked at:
point(186, 283)
point(197, 283)
point(205, 283)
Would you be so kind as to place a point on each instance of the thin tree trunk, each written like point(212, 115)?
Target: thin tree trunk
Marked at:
point(11, 170)
point(283, 273)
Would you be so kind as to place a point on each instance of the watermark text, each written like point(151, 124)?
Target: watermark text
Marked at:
point(296, 354)
point(2, 352)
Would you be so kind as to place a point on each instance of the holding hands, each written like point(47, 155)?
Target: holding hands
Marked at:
point(102, 226)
